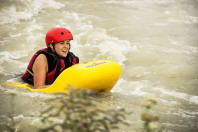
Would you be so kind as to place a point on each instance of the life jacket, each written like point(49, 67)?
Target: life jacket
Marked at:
point(55, 65)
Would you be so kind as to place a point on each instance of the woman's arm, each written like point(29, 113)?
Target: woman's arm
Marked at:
point(40, 68)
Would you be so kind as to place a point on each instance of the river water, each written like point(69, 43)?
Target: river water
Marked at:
point(155, 41)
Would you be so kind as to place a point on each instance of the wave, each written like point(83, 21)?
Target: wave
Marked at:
point(25, 10)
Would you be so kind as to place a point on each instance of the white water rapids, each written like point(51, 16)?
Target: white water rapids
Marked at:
point(155, 41)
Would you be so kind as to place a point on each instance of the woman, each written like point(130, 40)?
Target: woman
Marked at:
point(48, 63)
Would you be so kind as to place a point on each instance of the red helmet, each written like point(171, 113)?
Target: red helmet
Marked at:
point(56, 35)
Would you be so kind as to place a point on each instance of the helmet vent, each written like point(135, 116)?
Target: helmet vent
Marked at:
point(62, 33)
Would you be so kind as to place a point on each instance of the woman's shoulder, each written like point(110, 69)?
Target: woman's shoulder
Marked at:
point(40, 63)
point(41, 58)
point(49, 56)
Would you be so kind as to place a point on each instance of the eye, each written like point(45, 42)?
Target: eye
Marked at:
point(61, 43)
point(67, 42)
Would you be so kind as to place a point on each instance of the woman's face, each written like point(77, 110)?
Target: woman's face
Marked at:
point(62, 48)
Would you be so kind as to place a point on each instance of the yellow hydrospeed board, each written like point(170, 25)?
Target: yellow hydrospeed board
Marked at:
point(99, 75)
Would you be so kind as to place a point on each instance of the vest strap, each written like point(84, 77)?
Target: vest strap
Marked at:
point(31, 73)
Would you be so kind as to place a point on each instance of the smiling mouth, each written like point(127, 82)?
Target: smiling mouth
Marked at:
point(64, 51)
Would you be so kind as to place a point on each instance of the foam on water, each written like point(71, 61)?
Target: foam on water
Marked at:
point(91, 39)
point(25, 92)
point(126, 2)
point(183, 96)
point(32, 8)
point(153, 40)
point(18, 117)
point(135, 88)
point(113, 48)
point(10, 59)
point(194, 99)
point(12, 55)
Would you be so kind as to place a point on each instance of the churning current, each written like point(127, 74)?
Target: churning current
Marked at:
point(155, 42)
